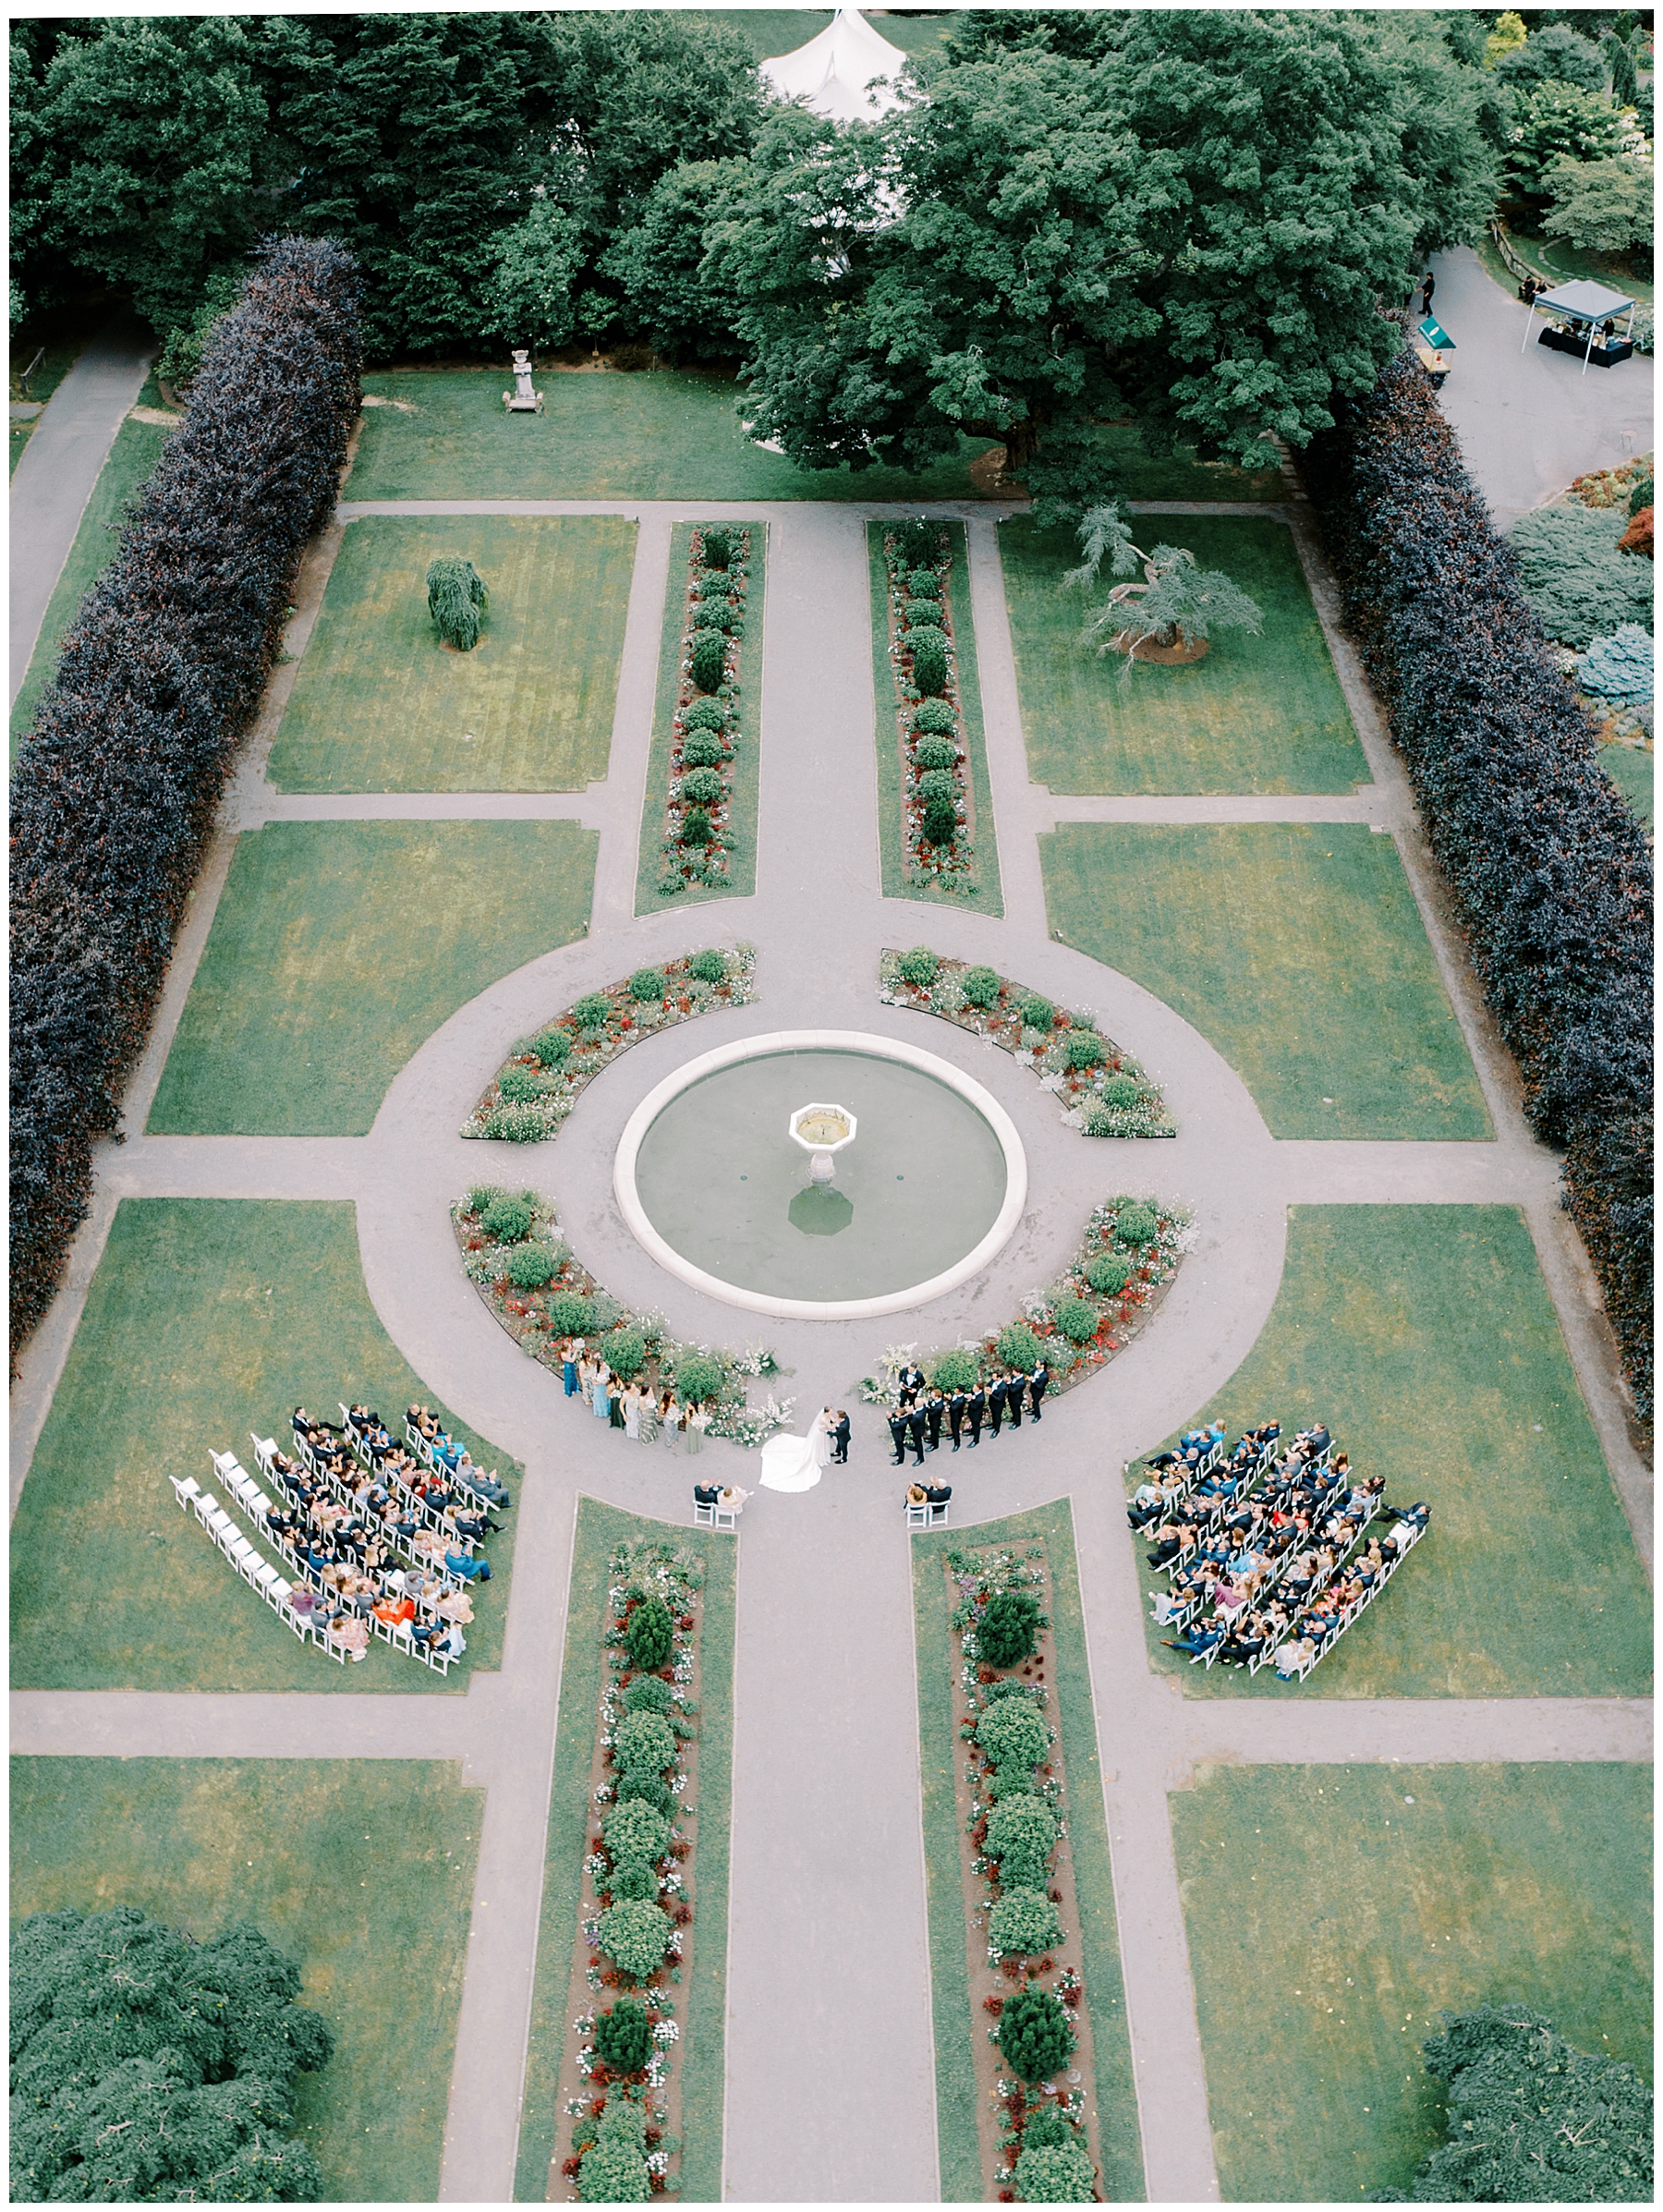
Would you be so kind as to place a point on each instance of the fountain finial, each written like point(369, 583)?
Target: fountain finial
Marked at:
point(822, 1129)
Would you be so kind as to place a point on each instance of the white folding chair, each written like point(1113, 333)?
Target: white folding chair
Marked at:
point(184, 1487)
point(265, 1451)
point(714, 1516)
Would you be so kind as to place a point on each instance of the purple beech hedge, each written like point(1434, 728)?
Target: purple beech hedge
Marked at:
point(114, 794)
point(1549, 869)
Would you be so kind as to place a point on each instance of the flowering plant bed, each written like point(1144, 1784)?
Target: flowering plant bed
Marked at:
point(508, 1241)
point(1102, 1090)
point(932, 765)
point(538, 1084)
point(1122, 1269)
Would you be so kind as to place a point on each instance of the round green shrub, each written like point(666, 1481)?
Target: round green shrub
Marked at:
point(1641, 496)
point(695, 827)
point(929, 669)
point(938, 782)
point(704, 749)
point(705, 714)
point(935, 718)
point(1119, 1092)
point(716, 584)
point(1077, 1318)
point(1012, 1730)
point(921, 635)
point(553, 1046)
point(708, 966)
point(569, 1314)
point(940, 822)
point(1136, 1226)
point(457, 599)
point(702, 787)
point(1022, 1823)
point(647, 985)
point(1047, 2129)
point(1083, 1048)
point(522, 1086)
point(714, 615)
point(707, 663)
point(1108, 1274)
point(1037, 1013)
point(644, 1744)
point(1023, 1921)
point(633, 1830)
point(920, 543)
point(1035, 2034)
point(506, 1220)
point(593, 1011)
point(1018, 1346)
point(935, 753)
point(649, 1639)
point(626, 1354)
point(634, 1935)
point(919, 967)
point(633, 1877)
point(623, 2037)
point(612, 2173)
point(1009, 1630)
point(532, 1266)
point(954, 1371)
point(515, 1125)
point(717, 547)
point(924, 583)
point(647, 1693)
point(646, 1789)
point(981, 987)
point(698, 1379)
point(1054, 2173)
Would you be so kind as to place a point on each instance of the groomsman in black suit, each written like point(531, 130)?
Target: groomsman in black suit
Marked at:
point(897, 1429)
point(996, 1404)
point(840, 1438)
point(955, 1414)
point(1014, 1383)
point(915, 1428)
point(974, 1406)
point(911, 1381)
point(1038, 1383)
point(934, 1410)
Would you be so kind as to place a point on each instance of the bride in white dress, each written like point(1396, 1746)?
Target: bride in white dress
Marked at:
point(796, 1462)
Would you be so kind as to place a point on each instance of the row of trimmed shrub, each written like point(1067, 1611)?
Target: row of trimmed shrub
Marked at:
point(918, 559)
point(114, 794)
point(694, 845)
point(1549, 869)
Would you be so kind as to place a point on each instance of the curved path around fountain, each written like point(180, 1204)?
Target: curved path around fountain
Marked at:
point(827, 1979)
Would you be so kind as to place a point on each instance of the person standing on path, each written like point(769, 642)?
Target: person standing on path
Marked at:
point(1428, 286)
point(996, 1404)
point(1014, 1383)
point(819, 1437)
point(840, 1438)
point(934, 1411)
point(975, 1405)
point(1039, 1382)
point(955, 1414)
point(915, 1428)
point(570, 1352)
point(897, 1429)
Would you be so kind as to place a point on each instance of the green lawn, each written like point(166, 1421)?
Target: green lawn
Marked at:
point(1634, 775)
point(1295, 949)
point(1257, 715)
point(203, 1843)
point(1332, 1912)
point(748, 757)
point(937, 1660)
point(339, 947)
point(601, 1529)
point(206, 1319)
point(661, 434)
point(380, 705)
point(1425, 1337)
point(988, 897)
point(136, 450)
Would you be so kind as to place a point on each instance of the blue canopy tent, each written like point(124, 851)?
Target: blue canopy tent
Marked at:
point(1582, 307)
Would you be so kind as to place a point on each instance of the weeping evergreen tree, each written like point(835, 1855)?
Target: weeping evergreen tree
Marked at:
point(1178, 602)
point(456, 601)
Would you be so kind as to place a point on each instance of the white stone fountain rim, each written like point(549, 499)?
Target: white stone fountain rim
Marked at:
point(819, 1040)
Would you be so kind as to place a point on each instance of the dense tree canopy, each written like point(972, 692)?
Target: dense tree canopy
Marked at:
point(147, 2069)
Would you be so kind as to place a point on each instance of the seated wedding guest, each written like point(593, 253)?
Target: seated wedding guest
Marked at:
point(393, 1609)
point(705, 1493)
point(936, 1493)
point(452, 1605)
point(1197, 1642)
point(1291, 1656)
point(470, 1570)
point(351, 1635)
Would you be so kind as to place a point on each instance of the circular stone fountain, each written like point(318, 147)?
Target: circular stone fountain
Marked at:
point(739, 1190)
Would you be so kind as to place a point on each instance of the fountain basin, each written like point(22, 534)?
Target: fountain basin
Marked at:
point(711, 1186)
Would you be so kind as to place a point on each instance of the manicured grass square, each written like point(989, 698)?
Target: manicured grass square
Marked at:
point(361, 1870)
point(1257, 715)
point(1425, 1337)
point(1297, 952)
point(339, 947)
point(1334, 1912)
point(381, 705)
point(206, 1319)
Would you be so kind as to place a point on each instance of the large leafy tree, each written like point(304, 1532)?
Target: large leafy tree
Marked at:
point(1605, 206)
point(147, 2069)
point(657, 261)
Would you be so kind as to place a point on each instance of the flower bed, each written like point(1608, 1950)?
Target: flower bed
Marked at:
point(639, 1890)
point(1121, 1271)
point(538, 1084)
point(1101, 1089)
point(1029, 2019)
point(697, 841)
point(516, 1259)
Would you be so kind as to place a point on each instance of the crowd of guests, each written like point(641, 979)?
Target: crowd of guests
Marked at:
point(644, 1415)
point(1271, 1569)
point(922, 1410)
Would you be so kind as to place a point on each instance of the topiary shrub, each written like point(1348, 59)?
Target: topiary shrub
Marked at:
point(553, 1046)
point(647, 1693)
point(923, 636)
point(940, 822)
point(522, 1086)
point(935, 718)
point(704, 749)
point(646, 1789)
point(533, 1265)
point(633, 1830)
point(623, 2037)
point(1136, 1226)
point(1038, 1013)
point(634, 1935)
point(1119, 1092)
point(929, 670)
point(1022, 1834)
point(1018, 1346)
point(954, 1371)
point(702, 787)
point(698, 1379)
point(1047, 2128)
point(1108, 1273)
point(1083, 1048)
point(1023, 1922)
point(707, 663)
point(612, 2173)
point(644, 1744)
point(919, 967)
point(695, 827)
point(1035, 2034)
point(717, 548)
point(626, 1353)
point(506, 1220)
point(457, 599)
point(937, 784)
point(647, 985)
point(593, 1011)
point(981, 987)
point(649, 1638)
point(569, 1314)
point(920, 543)
point(1012, 1730)
point(515, 1125)
point(1008, 1632)
point(1077, 1318)
point(1054, 2174)
point(714, 615)
point(708, 966)
point(633, 1877)
point(937, 753)
point(704, 714)
point(924, 583)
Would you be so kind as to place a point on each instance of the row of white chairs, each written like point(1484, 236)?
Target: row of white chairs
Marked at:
point(424, 1452)
point(258, 1573)
point(1353, 1611)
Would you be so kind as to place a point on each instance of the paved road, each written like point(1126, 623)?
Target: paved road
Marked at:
point(60, 465)
point(1530, 420)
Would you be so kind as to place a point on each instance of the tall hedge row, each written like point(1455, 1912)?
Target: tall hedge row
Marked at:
point(1548, 867)
point(114, 794)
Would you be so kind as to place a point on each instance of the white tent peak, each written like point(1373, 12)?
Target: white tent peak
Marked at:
point(832, 71)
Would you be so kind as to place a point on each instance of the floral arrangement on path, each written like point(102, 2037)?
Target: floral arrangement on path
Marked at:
point(1103, 1091)
point(697, 841)
point(1120, 1273)
point(938, 802)
point(522, 1266)
point(1030, 2021)
point(639, 1889)
point(539, 1083)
